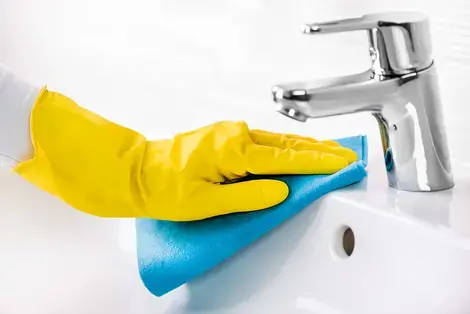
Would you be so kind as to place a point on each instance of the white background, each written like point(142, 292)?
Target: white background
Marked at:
point(163, 67)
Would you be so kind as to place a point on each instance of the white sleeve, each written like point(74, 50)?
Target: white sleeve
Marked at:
point(17, 98)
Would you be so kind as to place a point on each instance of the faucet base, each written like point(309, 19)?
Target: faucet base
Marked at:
point(413, 137)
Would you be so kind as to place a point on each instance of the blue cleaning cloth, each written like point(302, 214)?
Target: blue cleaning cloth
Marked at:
point(171, 254)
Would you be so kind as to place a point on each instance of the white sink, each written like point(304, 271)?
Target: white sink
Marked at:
point(411, 255)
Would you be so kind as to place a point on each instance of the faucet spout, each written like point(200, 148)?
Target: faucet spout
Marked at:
point(326, 97)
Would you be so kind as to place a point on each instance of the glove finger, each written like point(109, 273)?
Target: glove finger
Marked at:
point(331, 143)
point(273, 160)
point(280, 140)
point(283, 141)
point(341, 151)
point(241, 197)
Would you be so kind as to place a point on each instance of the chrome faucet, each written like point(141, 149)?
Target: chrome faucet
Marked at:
point(400, 89)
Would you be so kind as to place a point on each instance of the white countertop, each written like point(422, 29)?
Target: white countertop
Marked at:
point(163, 67)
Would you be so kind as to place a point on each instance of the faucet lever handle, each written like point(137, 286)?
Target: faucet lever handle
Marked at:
point(366, 22)
point(400, 41)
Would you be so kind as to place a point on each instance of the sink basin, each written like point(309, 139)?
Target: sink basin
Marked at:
point(362, 249)
point(410, 254)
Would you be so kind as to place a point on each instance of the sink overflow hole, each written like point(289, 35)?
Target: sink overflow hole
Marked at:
point(343, 242)
point(348, 241)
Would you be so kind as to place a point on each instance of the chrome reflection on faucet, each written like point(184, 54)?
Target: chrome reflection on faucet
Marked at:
point(400, 89)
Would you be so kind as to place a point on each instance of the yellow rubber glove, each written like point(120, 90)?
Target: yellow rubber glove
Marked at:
point(107, 170)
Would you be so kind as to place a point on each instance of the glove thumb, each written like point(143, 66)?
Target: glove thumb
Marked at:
point(246, 196)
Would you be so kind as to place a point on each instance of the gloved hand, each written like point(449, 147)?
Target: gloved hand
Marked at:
point(107, 170)
point(195, 166)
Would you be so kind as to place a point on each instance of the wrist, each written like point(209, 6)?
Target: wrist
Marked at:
point(17, 98)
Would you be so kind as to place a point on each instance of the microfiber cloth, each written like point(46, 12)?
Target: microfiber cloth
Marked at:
point(171, 254)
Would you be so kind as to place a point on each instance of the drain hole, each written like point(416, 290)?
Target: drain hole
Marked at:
point(343, 242)
point(348, 241)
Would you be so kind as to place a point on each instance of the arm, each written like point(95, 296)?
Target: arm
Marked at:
point(17, 98)
point(107, 170)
